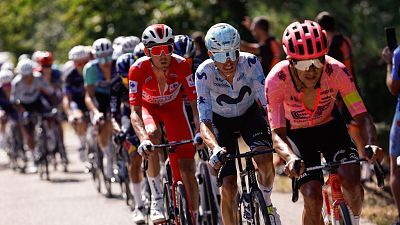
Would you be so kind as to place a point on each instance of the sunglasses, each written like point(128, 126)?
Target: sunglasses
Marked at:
point(104, 60)
point(221, 57)
point(304, 65)
point(157, 50)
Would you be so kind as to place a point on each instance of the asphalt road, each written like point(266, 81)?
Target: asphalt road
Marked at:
point(71, 199)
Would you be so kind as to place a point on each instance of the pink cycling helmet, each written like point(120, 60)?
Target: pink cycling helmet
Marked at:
point(305, 40)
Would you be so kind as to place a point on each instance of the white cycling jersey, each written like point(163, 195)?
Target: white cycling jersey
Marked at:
point(26, 93)
point(216, 94)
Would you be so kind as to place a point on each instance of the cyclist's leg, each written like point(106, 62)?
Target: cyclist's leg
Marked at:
point(304, 144)
point(394, 154)
point(178, 128)
point(340, 147)
point(256, 135)
point(224, 131)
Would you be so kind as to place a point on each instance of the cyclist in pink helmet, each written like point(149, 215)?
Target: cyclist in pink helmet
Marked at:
point(301, 92)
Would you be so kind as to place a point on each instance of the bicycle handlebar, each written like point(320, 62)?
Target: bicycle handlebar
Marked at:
point(227, 157)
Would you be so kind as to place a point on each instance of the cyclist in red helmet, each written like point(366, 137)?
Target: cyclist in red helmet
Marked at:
point(301, 92)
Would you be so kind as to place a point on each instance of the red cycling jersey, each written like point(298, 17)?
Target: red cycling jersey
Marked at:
point(143, 85)
point(167, 105)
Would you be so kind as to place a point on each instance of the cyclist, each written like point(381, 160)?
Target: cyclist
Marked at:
point(54, 77)
point(268, 48)
point(97, 75)
point(393, 83)
point(155, 95)
point(7, 110)
point(74, 95)
point(302, 90)
point(120, 112)
point(28, 91)
point(228, 87)
point(138, 51)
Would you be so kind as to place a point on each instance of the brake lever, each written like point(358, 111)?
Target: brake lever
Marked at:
point(295, 190)
point(379, 173)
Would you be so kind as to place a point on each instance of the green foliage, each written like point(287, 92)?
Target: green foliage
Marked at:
point(58, 25)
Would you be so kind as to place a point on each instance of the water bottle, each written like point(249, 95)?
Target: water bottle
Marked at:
point(247, 214)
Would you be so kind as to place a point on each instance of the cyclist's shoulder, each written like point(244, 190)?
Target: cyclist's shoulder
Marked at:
point(396, 53)
point(141, 63)
point(279, 72)
point(207, 67)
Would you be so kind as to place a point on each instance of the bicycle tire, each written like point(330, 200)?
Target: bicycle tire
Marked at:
point(259, 207)
point(345, 215)
point(211, 218)
point(185, 217)
point(169, 211)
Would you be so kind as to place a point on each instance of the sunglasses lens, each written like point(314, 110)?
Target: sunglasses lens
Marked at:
point(306, 64)
point(223, 56)
point(157, 50)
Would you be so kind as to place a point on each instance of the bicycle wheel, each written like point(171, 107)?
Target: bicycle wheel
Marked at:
point(210, 208)
point(169, 211)
point(346, 217)
point(185, 217)
point(260, 213)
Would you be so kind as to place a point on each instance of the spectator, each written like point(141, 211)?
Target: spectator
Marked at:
point(268, 49)
point(393, 83)
point(201, 50)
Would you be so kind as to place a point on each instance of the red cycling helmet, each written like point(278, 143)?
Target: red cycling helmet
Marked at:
point(45, 59)
point(305, 40)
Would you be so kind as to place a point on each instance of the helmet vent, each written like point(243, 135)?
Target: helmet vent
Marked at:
point(305, 28)
point(309, 46)
point(316, 34)
point(301, 49)
point(297, 35)
point(291, 46)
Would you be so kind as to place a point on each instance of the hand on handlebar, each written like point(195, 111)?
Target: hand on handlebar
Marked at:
point(373, 153)
point(145, 148)
point(97, 117)
point(294, 167)
point(215, 160)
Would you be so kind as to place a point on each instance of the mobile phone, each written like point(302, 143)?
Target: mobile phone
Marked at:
point(391, 38)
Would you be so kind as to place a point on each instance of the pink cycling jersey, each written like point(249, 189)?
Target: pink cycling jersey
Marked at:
point(284, 102)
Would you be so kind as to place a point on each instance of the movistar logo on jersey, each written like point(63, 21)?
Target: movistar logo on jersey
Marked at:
point(229, 100)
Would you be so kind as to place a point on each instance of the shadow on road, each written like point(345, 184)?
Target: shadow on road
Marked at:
point(75, 172)
point(65, 180)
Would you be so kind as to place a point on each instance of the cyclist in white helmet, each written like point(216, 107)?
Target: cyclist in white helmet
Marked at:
point(97, 75)
point(230, 87)
point(74, 94)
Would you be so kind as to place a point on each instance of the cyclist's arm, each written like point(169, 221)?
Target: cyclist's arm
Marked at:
point(208, 134)
point(137, 123)
point(89, 77)
point(276, 53)
point(193, 105)
point(258, 80)
point(189, 88)
point(66, 103)
point(282, 145)
point(115, 104)
point(367, 128)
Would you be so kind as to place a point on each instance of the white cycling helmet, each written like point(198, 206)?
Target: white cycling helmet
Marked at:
point(36, 55)
point(222, 37)
point(8, 66)
point(129, 43)
point(25, 67)
point(139, 51)
point(78, 52)
point(6, 76)
point(157, 34)
point(102, 48)
point(117, 41)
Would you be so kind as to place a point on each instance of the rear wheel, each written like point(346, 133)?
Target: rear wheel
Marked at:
point(185, 216)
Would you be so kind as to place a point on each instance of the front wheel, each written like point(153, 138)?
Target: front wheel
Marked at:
point(346, 217)
point(185, 216)
point(260, 213)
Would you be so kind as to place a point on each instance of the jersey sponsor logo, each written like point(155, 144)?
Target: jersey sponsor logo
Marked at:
point(229, 100)
point(190, 80)
point(201, 76)
point(252, 60)
point(347, 72)
point(294, 98)
point(133, 86)
point(282, 75)
point(201, 100)
point(299, 115)
point(173, 86)
point(148, 79)
point(221, 84)
point(328, 69)
point(240, 77)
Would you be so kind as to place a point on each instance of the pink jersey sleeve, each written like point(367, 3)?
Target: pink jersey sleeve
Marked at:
point(348, 91)
point(275, 93)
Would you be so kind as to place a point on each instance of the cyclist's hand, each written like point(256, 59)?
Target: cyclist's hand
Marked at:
point(377, 153)
point(291, 170)
point(72, 118)
point(387, 55)
point(214, 159)
point(97, 117)
point(145, 148)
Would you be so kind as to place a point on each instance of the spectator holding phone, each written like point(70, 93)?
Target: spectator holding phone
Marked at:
point(392, 58)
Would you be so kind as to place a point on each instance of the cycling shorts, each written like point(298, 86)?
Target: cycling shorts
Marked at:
point(176, 126)
point(252, 127)
point(103, 101)
point(331, 139)
point(394, 143)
